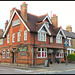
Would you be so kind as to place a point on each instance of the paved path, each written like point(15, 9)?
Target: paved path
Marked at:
point(38, 69)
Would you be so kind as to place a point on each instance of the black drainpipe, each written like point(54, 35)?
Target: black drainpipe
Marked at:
point(33, 50)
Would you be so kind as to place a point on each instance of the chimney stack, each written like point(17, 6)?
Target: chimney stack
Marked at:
point(6, 24)
point(69, 28)
point(24, 10)
point(54, 20)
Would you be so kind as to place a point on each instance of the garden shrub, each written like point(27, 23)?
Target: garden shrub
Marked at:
point(71, 57)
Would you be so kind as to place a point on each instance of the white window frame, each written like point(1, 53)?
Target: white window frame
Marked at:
point(13, 37)
point(59, 39)
point(60, 51)
point(16, 22)
point(41, 52)
point(51, 39)
point(1, 41)
point(7, 54)
point(25, 35)
point(69, 41)
point(42, 36)
point(18, 37)
point(8, 38)
point(3, 54)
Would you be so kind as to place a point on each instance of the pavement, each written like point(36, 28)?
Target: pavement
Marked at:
point(42, 69)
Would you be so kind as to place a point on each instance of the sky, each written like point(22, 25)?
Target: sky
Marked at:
point(65, 10)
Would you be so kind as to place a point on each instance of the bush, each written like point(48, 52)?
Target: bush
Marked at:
point(71, 57)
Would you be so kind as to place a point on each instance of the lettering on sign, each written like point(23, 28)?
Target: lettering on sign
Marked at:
point(23, 49)
point(23, 54)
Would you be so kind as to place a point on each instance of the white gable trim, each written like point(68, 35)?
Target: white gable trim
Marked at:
point(48, 19)
point(62, 32)
point(46, 29)
point(11, 21)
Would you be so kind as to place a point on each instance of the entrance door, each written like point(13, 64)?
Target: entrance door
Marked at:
point(13, 58)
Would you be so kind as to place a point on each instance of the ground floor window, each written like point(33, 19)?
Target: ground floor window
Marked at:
point(42, 53)
point(59, 54)
point(7, 53)
point(68, 51)
point(71, 51)
point(3, 54)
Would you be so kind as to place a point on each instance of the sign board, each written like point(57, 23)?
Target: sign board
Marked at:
point(65, 54)
point(23, 49)
point(46, 63)
point(66, 42)
point(23, 54)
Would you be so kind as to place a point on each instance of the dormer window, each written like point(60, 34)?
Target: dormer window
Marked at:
point(59, 39)
point(42, 36)
point(16, 22)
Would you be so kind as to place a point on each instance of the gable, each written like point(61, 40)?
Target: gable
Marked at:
point(15, 12)
point(48, 18)
point(44, 29)
point(61, 32)
point(44, 26)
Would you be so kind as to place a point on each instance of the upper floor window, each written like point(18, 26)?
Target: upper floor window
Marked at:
point(1, 41)
point(51, 39)
point(8, 38)
point(18, 38)
point(16, 22)
point(42, 36)
point(25, 35)
point(7, 53)
point(42, 53)
point(69, 41)
point(59, 39)
point(13, 37)
point(3, 54)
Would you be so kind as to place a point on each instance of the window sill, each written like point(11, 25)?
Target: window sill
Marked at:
point(41, 57)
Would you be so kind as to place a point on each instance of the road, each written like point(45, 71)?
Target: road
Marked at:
point(65, 72)
point(8, 70)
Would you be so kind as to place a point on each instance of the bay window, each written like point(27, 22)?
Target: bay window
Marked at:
point(42, 53)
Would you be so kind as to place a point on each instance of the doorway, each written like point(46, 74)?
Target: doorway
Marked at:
point(13, 57)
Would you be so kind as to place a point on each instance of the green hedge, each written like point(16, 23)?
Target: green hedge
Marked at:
point(71, 57)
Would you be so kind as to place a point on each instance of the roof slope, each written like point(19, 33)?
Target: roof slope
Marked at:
point(69, 34)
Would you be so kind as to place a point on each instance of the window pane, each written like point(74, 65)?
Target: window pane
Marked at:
point(39, 55)
point(42, 54)
point(39, 49)
point(42, 49)
point(45, 54)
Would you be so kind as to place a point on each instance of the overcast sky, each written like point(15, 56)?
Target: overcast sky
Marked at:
point(65, 10)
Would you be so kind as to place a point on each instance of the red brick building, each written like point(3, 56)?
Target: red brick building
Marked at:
point(25, 34)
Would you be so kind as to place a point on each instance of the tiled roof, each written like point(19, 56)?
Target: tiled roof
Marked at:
point(69, 34)
point(33, 22)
